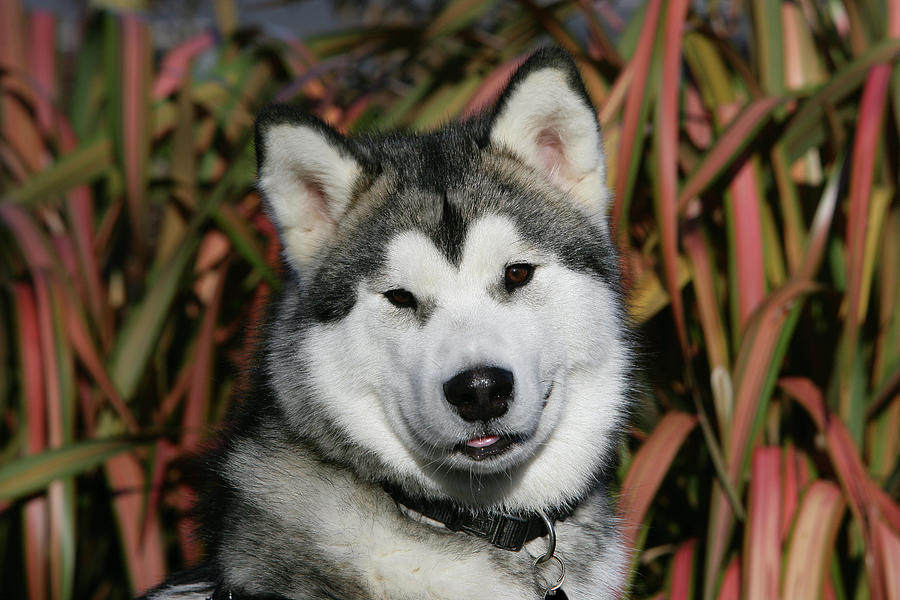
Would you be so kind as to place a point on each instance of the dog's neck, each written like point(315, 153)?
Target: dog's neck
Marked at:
point(507, 531)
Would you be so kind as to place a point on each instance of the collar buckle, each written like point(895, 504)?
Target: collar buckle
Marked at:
point(508, 532)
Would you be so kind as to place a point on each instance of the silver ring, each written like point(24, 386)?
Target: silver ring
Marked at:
point(551, 548)
point(562, 573)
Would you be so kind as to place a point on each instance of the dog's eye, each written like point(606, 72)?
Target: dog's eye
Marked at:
point(517, 275)
point(401, 298)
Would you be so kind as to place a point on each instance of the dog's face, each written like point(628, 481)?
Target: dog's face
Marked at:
point(461, 321)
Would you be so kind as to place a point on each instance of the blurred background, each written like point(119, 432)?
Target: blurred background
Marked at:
point(753, 149)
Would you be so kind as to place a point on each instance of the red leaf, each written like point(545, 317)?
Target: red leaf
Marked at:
point(34, 247)
point(174, 395)
point(164, 452)
point(865, 145)
point(32, 369)
point(887, 549)
point(681, 585)
point(650, 465)
point(731, 581)
point(49, 359)
point(762, 551)
point(35, 513)
point(887, 506)
point(791, 489)
point(697, 124)
point(808, 395)
point(89, 356)
point(135, 126)
point(640, 66)
point(54, 366)
point(844, 455)
point(812, 541)
point(850, 469)
point(194, 419)
point(704, 288)
point(19, 129)
point(731, 141)
point(753, 364)
point(177, 62)
point(142, 542)
point(667, 140)
point(42, 55)
point(80, 209)
point(37, 529)
point(746, 200)
point(752, 367)
point(865, 497)
point(489, 90)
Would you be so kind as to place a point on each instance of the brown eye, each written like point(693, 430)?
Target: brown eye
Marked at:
point(517, 275)
point(401, 298)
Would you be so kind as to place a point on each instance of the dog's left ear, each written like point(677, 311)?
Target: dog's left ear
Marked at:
point(545, 118)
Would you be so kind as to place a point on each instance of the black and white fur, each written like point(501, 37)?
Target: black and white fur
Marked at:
point(349, 390)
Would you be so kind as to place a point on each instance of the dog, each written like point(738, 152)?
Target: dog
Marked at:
point(444, 378)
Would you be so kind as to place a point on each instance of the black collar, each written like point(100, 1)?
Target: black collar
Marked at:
point(506, 531)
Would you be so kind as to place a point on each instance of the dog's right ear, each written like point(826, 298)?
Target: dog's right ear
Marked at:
point(307, 175)
point(545, 118)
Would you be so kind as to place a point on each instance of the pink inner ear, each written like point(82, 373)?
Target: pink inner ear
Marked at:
point(318, 202)
point(551, 151)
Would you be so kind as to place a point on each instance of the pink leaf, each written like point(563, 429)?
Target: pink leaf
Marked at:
point(42, 55)
point(489, 90)
point(650, 465)
point(681, 585)
point(640, 66)
point(176, 63)
point(731, 581)
point(762, 552)
point(667, 139)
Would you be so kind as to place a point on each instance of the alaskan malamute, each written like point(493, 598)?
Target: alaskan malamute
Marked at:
point(445, 375)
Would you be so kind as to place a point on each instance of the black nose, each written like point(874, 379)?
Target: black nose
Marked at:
point(481, 393)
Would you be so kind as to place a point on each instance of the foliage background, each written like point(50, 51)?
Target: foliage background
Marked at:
point(753, 151)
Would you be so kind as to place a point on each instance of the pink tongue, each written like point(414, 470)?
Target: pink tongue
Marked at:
point(483, 442)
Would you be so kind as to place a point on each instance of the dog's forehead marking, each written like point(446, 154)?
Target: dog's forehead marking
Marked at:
point(490, 238)
point(414, 259)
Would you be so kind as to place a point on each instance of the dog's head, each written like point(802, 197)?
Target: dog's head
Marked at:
point(453, 316)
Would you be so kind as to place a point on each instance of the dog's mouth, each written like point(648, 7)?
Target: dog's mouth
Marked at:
point(486, 446)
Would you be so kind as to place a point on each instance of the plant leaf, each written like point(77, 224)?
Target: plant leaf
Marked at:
point(34, 473)
point(681, 586)
point(729, 146)
point(812, 542)
point(636, 104)
point(649, 466)
point(667, 161)
point(762, 546)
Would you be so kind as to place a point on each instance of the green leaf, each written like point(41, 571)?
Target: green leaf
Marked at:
point(797, 136)
point(769, 51)
point(729, 146)
point(137, 336)
point(33, 473)
point(240, 235)
point(456, 15)
point(80, 166)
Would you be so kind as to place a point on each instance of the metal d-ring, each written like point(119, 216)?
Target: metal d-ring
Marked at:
point(550, 554)
point(551, 548)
